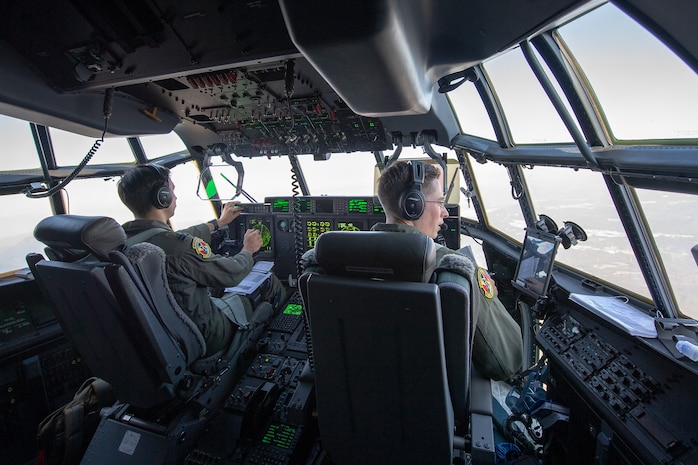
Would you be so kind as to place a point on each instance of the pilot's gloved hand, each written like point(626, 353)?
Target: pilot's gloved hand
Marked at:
point(230, 211)
point(252, 241)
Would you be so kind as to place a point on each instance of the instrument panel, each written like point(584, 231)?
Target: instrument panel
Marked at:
point(39, 369)
point(291, 225)
point(623, 396)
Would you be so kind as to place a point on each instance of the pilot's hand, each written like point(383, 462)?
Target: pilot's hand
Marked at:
point(230, 211)
point(252, 241)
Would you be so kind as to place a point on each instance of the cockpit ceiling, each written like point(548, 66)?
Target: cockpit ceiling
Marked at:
point(78, 44)
point(253, 72)
point(81, 44)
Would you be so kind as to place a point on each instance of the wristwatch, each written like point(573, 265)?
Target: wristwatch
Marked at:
point(215, 224)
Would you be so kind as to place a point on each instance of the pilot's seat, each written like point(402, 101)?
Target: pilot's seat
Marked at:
point(115, 306)
point(384, 392)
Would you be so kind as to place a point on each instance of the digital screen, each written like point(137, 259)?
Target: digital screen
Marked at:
point(536, 262)
point(293, 309)
point(358, 206)
point(324, 205)
point(280, 205)
point(15, 321)
point(313, 229)
point(350, 226)
point(302, 205)
point(263, 225)
point(378, 208)
point(279, 435)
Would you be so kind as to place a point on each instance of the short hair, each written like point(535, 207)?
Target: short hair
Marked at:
point(397, 178)
point(137, 185)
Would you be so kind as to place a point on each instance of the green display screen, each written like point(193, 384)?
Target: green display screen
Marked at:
point(347, 226)
point(293, 309)
point(263, 225)
point(279, 435)
point(358, 206)
point(280, 205)
point(313, 229)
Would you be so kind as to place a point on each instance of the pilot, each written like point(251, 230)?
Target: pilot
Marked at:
point(497, 345)
point(193, 270)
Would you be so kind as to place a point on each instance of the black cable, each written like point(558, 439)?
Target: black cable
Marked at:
point(107, 109)
point(298, 240)
point(516, 190)
point(299, 249)
point(289, 78)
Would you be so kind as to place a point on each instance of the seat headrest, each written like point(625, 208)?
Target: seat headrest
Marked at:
point(72, 237)
point(394, 256)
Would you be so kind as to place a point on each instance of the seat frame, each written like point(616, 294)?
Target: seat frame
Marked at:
point(389, 364)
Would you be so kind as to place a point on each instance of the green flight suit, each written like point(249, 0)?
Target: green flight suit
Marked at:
point(497, 344)
point(191, 270)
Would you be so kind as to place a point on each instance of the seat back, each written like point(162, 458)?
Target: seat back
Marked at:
point(378, 349)
point(115, 306)
point(458, 321)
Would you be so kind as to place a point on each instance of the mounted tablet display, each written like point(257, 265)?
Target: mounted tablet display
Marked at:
point(536, 262)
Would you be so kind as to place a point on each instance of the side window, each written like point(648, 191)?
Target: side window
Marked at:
point(162, 144)
point(471, 112)
point(673, 219)
point(70, 149)
point(17, 139)
point(96, 197)
point(531, 117)
point(634, 108)
point(190, 209)
point(502, 210)
point(20, 215)
point(357, 177)
point(263, 177)
point(582, 197)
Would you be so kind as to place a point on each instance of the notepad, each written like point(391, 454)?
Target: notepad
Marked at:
point(261, 273)
point(263, 266)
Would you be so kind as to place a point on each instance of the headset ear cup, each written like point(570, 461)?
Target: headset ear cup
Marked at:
point(412, 200)
point(412, 204)
point(162, 197)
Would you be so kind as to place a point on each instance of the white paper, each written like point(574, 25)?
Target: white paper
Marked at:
point(250, 283)
point(129, 442)
point(622, 314)
point(263, 266)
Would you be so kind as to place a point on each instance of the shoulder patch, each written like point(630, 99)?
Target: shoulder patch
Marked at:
point(485, 283)
point(201, 247)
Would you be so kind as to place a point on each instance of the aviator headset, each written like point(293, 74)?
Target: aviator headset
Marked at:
point(412, 200)
point(161, 195)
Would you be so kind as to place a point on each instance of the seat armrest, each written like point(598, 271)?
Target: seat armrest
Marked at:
point(482, 427)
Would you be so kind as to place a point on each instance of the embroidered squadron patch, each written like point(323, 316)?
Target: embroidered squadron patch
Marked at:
point(201, 247)
point(485, 283)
